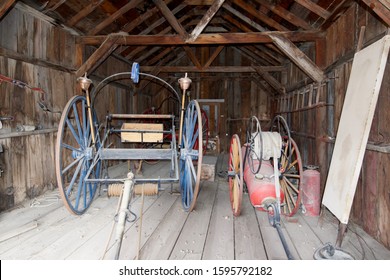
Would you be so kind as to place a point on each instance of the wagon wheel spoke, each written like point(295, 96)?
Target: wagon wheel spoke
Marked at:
point(75, 156)
point(291, 179)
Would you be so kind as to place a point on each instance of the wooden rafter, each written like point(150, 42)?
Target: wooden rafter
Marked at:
point(4, 6)
point(114, 16)
point(237, 23)
point(84, 12)
point(313, 7)
point(165, 31)
point(216, 69)
point(285, 14)
point(298, 57)
point(275, 84)
point(104, 51)
point(242, 17)
point(191, 55)
point(160, 55)
point(380, 8)
point(336, 13)
point(199, 2)
point(206, 39)
point(141, 18)
point(213, 56)
point(205, 20)
point(53, 6)
point(259, 15)
point(170, 17)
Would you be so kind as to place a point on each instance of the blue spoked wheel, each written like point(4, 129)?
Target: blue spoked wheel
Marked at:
point(75, 156)
point(191, 155)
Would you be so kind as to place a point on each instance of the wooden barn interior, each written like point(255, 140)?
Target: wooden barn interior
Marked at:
point(244, 59)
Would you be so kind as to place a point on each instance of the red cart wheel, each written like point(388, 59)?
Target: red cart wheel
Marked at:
point(235, 175)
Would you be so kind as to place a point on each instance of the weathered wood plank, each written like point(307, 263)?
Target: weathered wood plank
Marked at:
point(298, 57)
point(271, 240)
point(151, 220)
point(84, 12)
point(304, 240)
point(130, 5)
point(313, 7)
point(207, 17)
point(219, 243)
point(206, 39)
point(192, 238)
point(160, 243)
point(380, 9)
point(104, 51)
point(5, 5)
point(170, 17)
point(248, 240)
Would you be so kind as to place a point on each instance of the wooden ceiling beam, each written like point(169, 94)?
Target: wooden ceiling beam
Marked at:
point(214, 56)
point(165, 31)
point(313, 7)
point(160, 55)
point(150, 12)
point(104, 51)
point(4, 6)
point(84, 12)
point(199, 2)
point(191, 55)
point(298, 57)
point(275, 84)
point(259, 15)
point(114, 16)
point(243, 18)
point(52, 6)
point(285, 14)
point(336, 13)
point(214, 8)
point(170, 17)
point(380, 8)
point(237, 23)
point(206, 39)
point(215, 69)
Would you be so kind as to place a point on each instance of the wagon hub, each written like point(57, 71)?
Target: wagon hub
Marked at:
point(87, 153)
point(194, 154)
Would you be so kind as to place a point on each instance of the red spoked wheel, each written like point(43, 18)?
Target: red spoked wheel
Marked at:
point(235, 173)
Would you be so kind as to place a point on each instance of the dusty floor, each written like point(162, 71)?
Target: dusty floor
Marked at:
point(44, 229)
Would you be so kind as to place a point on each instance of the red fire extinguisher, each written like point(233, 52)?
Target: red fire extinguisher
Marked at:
point(311, 194)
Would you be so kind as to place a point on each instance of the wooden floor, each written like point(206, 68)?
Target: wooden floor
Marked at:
point(44, 229)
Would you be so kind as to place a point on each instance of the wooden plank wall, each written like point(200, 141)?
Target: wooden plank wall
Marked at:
point(43, 56)
point(315, 129)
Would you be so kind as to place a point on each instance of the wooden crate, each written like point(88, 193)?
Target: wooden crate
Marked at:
point(148, 137)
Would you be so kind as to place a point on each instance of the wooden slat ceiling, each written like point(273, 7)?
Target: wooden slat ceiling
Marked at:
point(155, 33)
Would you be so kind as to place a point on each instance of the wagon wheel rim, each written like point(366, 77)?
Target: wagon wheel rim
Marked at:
point(205, 132)
point(254, 152)
point(235, 171)
point(291, 174)
point(279, 124)
point(75, 157)
point(191, 156)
